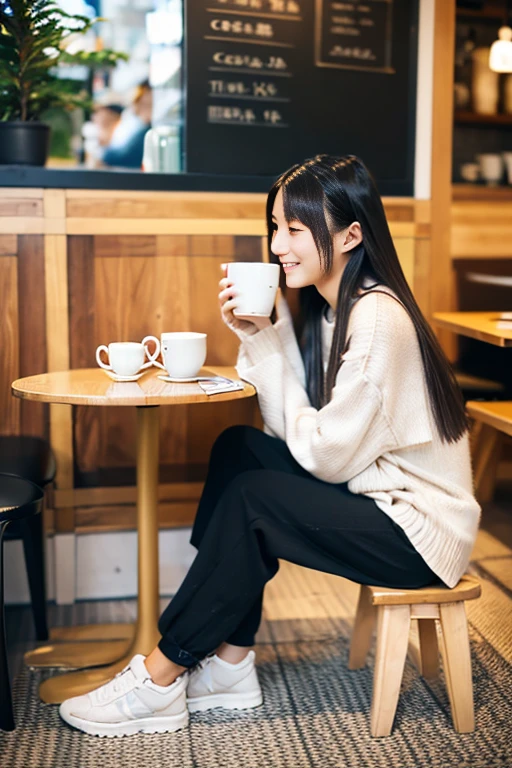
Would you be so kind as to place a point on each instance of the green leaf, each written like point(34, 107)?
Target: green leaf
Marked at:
point(28, 84)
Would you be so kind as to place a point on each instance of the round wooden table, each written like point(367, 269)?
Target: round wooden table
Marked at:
point(92, 386)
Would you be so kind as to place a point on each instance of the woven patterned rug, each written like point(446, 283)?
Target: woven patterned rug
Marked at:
point(315, 715)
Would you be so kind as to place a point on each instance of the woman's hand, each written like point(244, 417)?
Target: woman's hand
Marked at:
point(228, 302)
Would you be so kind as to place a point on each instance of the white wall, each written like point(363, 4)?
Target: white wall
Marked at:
point(106, 565)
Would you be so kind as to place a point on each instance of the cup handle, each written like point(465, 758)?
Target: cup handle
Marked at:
point(152, 357)
point(102, 348)
point(159, 365)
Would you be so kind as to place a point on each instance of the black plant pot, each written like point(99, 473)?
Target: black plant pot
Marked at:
point(24, 143)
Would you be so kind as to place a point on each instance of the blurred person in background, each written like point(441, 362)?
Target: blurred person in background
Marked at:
point(106, 118)
point(126, 146)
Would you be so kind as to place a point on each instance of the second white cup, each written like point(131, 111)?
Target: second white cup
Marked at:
point(256, 287)
point(183, 353)
point(126, 358)
point(491, 167)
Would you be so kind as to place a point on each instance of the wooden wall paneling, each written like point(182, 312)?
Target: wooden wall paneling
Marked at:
point(124, 246)
point(247, 248)
point(154, 205)
point(54, 203)
point(8, 245)
point(422, 255)
point(104, 226)
point(264, 250)
point(32, 192)
point(440, 274)
point(57, 334)
point(174, 514)
point(204, 427)
point(225, 246)
point(124, 312)
point(205, 273)
point(20, 206)
point(9, 341)
point(481, 230)
point(22, 225)
point(82, 347)
point(405, 250)
point(107, 496)
point(396, 211)
point(54, 206)
point(421, 287)
point(171, 245)
point(201, 245)
point(172, 312)
point(32, 323)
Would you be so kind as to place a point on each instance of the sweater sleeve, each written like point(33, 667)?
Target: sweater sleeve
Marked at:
point(288, 346)
point(334, 443)
point(378, 404)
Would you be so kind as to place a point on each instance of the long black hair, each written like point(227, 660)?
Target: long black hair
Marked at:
point(327, 194)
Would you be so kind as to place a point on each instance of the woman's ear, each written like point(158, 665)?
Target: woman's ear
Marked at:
point(352, 236)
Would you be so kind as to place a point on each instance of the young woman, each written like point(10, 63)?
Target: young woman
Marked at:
point(363, 469)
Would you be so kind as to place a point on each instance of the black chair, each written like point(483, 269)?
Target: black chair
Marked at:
point(19, 499)
point(30, 458)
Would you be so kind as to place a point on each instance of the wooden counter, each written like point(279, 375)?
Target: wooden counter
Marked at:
point(80, 268)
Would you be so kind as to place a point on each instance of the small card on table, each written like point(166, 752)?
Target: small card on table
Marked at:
point(218, 384)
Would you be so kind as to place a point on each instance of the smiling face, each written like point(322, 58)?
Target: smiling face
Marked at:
point(295, 247)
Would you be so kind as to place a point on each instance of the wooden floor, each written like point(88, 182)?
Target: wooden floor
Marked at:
point(297, 595)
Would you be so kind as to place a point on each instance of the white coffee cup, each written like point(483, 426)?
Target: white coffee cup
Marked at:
point(256, 287)
point(507, 159)
point(126, 358)
point(470, 171)
point(491, 167)
point(183, 353)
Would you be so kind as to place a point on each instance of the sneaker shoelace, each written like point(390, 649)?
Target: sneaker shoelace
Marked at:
point(204, 664)
point(201, 665)
point(121, 683)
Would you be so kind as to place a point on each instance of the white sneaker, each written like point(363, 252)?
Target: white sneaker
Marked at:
point(130, 703)
point(216, 683)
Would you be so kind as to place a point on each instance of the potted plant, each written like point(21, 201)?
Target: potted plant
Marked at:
point(34, 40)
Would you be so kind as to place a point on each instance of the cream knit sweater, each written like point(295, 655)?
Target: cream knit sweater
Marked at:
point(377, 432)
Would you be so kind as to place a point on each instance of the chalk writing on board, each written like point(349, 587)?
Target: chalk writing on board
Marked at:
point(354, 35)
point(233, 27)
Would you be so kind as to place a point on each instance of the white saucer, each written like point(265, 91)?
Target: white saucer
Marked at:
point(115, 377)
point(180, 381)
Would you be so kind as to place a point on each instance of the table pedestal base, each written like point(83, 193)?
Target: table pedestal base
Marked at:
point(56, 689)
point(78, 655)
point(92, 632)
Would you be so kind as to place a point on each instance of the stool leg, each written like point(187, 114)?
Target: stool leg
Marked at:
point(362, 633)
point(6, 713)
point(393, 626)
point(457, 665)
point(33, 547)
point(429, 651)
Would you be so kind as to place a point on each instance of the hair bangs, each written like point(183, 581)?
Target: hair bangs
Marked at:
point(304, 201)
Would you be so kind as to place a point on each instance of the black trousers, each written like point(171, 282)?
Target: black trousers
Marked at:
point(258, 505)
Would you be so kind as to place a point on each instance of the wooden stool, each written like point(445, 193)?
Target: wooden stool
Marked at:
point(393, 610)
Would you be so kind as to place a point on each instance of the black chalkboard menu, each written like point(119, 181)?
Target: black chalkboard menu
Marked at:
point(272, 82)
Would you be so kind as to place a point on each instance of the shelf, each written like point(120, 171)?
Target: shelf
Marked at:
point(478, 119)
point(481, 192)
point(484, 14)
